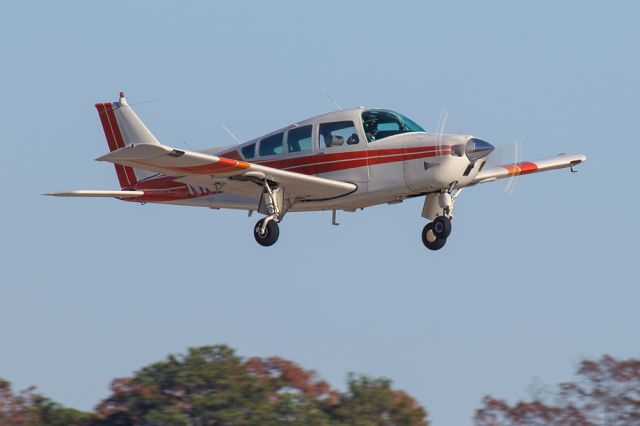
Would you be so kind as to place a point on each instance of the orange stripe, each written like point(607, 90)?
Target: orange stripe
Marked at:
point(521, 168)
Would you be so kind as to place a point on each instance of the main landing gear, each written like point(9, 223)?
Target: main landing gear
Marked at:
point(267, 231)
point(439, 208)
point(266, 234)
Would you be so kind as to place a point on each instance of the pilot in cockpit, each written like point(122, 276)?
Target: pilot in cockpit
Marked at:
point(370, 129)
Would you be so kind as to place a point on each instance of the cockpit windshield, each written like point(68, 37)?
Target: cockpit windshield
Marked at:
point(381, 123)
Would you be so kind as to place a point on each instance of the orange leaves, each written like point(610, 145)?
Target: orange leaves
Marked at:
point(280, 374)
point(608, 392)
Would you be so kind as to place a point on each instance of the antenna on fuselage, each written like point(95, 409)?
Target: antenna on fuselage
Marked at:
point(147, 101)
point(332, 100)
point(186, 144)
point(230, 134)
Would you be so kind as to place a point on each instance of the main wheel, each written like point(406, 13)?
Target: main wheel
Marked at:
point(442, 227)
point(270, 235)
point(429, 238)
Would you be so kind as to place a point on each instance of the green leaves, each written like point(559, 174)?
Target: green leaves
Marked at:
point(27, 408)
point(212, 386)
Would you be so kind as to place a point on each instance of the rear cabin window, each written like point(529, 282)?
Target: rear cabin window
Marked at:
point(249, 151)
point(299, 139)
point(338, 133)
point(271, 145)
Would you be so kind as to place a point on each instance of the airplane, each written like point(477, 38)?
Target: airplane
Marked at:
point(345, 160)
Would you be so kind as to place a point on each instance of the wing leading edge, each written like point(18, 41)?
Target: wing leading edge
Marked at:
point(526, 167)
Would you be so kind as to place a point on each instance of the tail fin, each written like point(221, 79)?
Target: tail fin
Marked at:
point(123, 127)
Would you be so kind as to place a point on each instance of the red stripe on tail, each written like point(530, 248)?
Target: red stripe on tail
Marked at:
point(126, 175)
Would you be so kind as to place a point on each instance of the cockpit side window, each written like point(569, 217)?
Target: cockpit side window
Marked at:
point(299, 139)
point(338, 133)
point(379, 124)
point(249, 151)
point(271, 145)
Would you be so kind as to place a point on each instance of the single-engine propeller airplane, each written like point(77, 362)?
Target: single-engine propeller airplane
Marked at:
point(344, 160)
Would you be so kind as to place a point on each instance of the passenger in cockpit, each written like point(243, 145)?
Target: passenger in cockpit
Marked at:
point(332, 140)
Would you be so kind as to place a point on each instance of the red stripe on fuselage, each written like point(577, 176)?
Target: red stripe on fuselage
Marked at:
point(164, 189)
point(355, 161)
point(317, 160)
point(155, 188)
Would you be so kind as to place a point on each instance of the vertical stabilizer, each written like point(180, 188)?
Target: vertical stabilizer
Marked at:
point(123, 127)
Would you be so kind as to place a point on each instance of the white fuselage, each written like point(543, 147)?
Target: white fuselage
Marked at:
point(385, 170)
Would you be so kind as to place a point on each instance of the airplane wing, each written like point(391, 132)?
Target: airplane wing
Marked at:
point(97, 193)
point(210, 170)
point(526, 167)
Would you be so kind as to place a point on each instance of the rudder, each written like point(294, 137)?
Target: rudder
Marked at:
point(123, 127)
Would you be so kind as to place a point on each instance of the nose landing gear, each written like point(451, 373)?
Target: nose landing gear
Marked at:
point(442, 227)
point(439, 208)
point(430, 239)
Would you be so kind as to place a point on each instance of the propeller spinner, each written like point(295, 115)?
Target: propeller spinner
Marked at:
point(476, 149)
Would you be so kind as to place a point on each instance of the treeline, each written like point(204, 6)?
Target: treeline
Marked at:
point(212, 386)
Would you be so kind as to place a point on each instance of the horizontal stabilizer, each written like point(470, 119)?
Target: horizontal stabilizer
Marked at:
point(97, 193)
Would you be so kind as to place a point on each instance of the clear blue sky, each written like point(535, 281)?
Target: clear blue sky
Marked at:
point(530, 282)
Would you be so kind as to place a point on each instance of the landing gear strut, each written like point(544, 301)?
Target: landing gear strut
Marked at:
point(439, 208)
point(267, 231)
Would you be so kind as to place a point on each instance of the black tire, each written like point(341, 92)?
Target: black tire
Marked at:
point(271, 233)
point(430, 240)
point(442, 227)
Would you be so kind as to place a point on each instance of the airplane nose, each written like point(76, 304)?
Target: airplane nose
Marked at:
point(477, 149)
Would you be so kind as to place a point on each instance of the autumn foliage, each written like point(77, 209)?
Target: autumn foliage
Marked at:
point(27, 408)
point(212, 386)
point(607, 393)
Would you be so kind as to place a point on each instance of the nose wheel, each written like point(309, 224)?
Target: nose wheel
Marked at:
point(442, 227)
point(439, 208)
point(430, 239)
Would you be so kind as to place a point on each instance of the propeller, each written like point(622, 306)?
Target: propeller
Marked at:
point(476, 149)
point(507, 154)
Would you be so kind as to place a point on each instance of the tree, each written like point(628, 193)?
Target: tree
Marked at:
point(372, 402)
point(608, 393)
point(27, 408)
point(211, 385)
